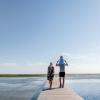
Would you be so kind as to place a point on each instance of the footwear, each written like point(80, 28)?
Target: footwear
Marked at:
point(62, 86)
point(49, 88)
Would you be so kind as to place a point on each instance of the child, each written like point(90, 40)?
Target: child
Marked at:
point(50, 74)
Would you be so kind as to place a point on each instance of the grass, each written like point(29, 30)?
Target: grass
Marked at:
point(22, 75)
point(68, 76)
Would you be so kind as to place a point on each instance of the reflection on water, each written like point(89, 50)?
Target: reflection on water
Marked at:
point(89, 89)
point(29, 88)
point(20, 88)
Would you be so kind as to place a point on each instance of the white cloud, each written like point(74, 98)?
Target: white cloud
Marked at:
point(33, 68)
point(83, 63)
point(78, 63)
point(8, 64)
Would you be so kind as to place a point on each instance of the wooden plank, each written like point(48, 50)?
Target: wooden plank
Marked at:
point(57, 93)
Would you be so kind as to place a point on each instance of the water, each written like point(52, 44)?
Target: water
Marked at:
point(20, 88)
point(89, 89)
point(29, 88)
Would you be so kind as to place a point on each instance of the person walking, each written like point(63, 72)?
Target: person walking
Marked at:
point(50, 74)
point(61, 63)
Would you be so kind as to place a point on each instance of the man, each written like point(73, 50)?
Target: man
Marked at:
point(61, 63)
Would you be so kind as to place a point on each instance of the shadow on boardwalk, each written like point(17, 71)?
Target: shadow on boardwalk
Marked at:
point(57, 93)
point(45, 89)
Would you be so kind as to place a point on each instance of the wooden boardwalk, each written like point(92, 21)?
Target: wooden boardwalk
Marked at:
point(57, 93)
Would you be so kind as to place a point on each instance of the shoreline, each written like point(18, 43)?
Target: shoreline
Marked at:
point(22, 75)
point(68, 76)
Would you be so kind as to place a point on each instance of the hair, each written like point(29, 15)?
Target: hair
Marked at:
point(50, 64)
point(61, 56)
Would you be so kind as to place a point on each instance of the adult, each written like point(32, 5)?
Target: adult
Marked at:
point(61, 63)
point(50, 74)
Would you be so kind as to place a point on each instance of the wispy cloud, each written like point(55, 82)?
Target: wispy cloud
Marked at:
point(83, 63)
point(78, 63)
point(33, 68)
point(8, 64)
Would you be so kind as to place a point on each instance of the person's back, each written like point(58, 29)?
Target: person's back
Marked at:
point(50, 74)
point(61, 63)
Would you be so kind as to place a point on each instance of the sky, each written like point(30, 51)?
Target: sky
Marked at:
point(34, 33)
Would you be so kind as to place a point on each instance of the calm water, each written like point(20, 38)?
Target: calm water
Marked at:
point(29, 88)
point(20, 88)
point(89, 89)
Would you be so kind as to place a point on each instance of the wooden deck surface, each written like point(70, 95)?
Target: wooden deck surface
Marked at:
point(57, 93)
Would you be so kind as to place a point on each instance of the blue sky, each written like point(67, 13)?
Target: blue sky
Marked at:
point(35, 32)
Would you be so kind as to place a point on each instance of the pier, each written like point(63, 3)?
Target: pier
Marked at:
point(56, 93)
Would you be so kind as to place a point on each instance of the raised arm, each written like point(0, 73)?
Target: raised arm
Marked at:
point(57, 64)
point(66, 63)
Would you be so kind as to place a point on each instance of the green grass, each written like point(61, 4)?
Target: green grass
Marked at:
point(68, 76)
point(22, 75)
